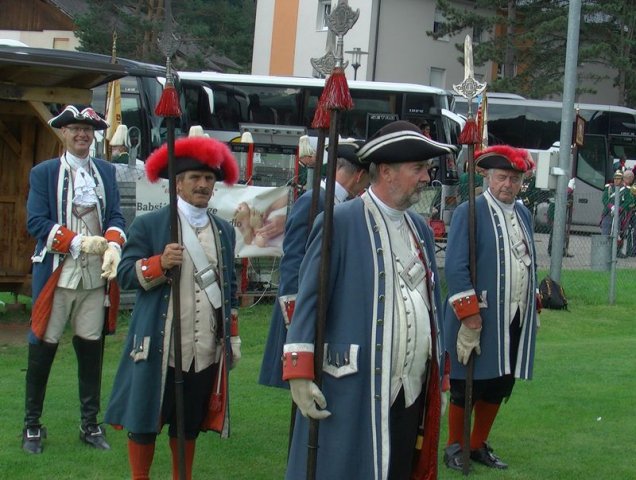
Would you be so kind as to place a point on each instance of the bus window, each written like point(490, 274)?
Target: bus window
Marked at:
point(418, 105)
point(592, 165)
point(274, 105)
point(597, 121)
point(622, 124)
point(354, 122)
point(197, 106)
point(542, 126)
point(508, 121)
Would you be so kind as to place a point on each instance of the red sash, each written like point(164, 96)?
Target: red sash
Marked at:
point(41, 311)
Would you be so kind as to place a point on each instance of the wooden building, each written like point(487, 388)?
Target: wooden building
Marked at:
point(31, 81)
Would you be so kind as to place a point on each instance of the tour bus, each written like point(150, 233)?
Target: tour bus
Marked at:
point(221, 102)
point(610, 133)
point(227, 104)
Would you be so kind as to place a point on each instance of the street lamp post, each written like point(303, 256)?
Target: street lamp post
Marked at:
point(356, 56)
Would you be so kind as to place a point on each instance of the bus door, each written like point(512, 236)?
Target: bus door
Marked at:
point(593, 170)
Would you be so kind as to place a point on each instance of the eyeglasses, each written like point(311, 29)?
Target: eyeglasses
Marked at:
point(76, 130)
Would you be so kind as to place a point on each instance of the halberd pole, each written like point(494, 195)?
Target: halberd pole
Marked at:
point(468, 89)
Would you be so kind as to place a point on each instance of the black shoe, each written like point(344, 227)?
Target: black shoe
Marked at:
point(94, 436)
point(32, 439)
point(453, 457)
point(485, 456)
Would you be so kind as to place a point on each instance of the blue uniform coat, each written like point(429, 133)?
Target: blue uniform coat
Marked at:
point(49, 206)
point(135, 401)
point(493, 256)
point(296, 232)
point(354, 440)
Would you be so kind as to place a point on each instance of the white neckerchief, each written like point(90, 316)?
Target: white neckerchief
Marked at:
point(506, 207)
point(196, 216)
point(83, 183)
point(397, 217)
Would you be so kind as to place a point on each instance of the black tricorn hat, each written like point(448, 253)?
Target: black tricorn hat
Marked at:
point(399, 142)
point(348, 149)
point(79, 114)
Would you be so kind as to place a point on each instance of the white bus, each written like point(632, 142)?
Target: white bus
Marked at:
point(226, 105)
point(536, 125)
point(221, 102)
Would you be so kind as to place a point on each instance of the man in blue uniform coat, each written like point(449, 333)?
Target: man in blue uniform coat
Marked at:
point(382, 350)
point(351, 179)
point(143, 397)
point(497, 317)
point(74, 214)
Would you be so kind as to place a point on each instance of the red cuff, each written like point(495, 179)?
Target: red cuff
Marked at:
point(466, 306)
point(298, 365)
point(114, 235)
point(151, 268)
point(234, 324)
point(62, 239)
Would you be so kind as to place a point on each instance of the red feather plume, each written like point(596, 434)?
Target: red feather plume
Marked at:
point(207, 151)
point(518, 157)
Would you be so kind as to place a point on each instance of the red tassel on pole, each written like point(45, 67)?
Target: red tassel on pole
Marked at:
point(336, 95)
point(470, 133)
point(168, 105)
point(321, 116)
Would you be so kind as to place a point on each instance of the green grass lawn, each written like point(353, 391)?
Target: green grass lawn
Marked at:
point(575, 420)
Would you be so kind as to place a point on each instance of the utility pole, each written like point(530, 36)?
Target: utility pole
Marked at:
point(565, 148)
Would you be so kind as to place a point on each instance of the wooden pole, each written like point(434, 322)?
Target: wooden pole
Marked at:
point(175, 274)
point(325, 254)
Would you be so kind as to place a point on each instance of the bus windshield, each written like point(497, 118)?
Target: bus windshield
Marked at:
point(221, 102)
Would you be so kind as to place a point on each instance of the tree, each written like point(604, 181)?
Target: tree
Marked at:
point(208, 30)
point(532, 36)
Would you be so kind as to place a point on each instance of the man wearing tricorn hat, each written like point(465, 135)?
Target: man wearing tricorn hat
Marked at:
point(352, 178)
point(497, 317)
point(382, 345)
point(74, 214)
point(143, 397)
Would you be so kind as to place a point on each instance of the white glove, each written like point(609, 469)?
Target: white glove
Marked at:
point(467, 341)
point(93, 244)
point(235, 342)
point(306, 396)
point(112, 256)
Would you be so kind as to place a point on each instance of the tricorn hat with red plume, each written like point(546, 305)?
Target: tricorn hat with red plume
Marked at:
point(504, 157)
point(195, 153)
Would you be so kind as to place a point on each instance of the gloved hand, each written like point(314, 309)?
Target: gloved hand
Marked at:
point(306, 396)
point(467, 341)
point(112, 256)
point(93, 244)
point(235, 342)
point(538, 302)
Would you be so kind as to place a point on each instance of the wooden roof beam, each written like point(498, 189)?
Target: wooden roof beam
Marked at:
point(66, 95)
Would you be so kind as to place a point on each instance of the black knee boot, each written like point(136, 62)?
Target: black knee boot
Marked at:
point(89, 372)
point(40, 359)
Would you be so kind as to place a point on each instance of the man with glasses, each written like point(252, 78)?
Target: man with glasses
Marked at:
point(73, 213)
point(496, 317)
